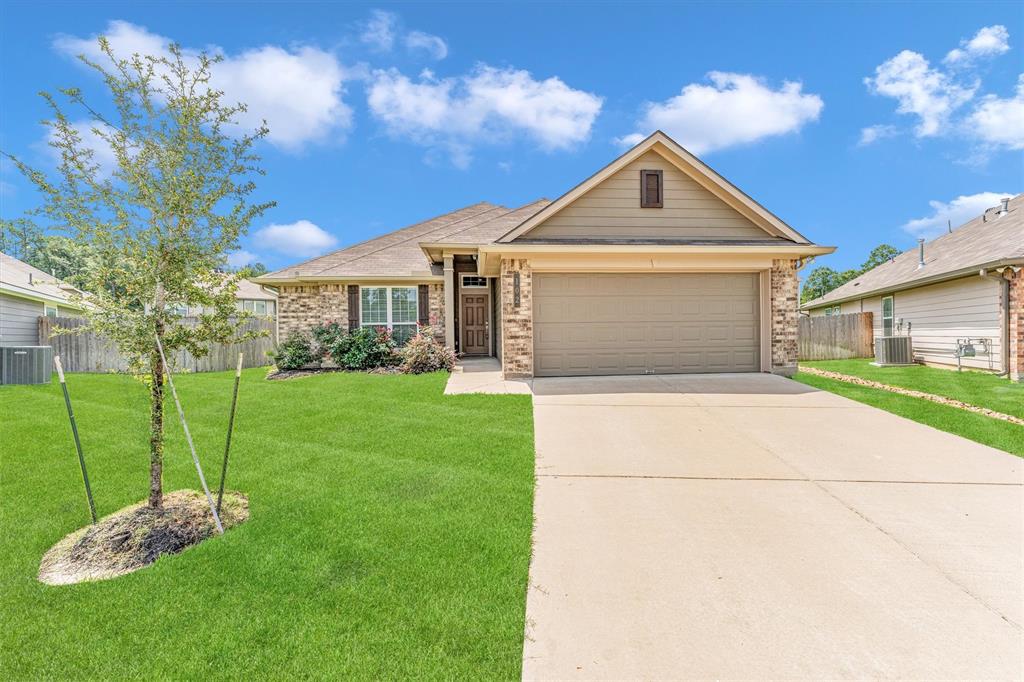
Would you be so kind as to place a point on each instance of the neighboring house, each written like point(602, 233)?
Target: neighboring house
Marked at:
point(654, 264)
point(965, 284)
point(250, 296)
point(25, 294)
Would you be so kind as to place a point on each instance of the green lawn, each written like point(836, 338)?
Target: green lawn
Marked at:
point(389, 537)
point(977, 388)
point(976, 427)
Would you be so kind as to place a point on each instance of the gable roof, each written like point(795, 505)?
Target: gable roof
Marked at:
point(249, 290)
point(18, 278)
point(988, 240)
point(399, 254)
point(689, 164)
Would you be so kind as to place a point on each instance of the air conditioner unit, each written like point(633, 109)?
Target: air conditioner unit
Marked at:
point(26, 364)
point(894, 350)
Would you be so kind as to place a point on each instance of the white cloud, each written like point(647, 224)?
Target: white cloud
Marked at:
point(298, 92)
point(301, 238)
point(920, 90)
point(874, 133)
point(1000, 122)
point(736, 109)
point(990, 41)
point(431, 44)
point(455, 113)
point(241, 258)
point(955, 213)
point(379, 30)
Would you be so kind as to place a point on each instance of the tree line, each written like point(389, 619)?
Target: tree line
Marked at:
point(824, 279)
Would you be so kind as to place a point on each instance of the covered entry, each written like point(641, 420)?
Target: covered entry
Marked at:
point(664, 323)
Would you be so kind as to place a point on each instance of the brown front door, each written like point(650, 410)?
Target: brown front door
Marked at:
point(474, 324)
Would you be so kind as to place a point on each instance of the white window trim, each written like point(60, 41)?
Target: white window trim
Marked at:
point(390, 323)
point(892, 315)
point(47, 308)
point(836, 310)
point(473, 286)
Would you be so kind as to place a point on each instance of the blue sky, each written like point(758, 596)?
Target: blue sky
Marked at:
point(856, 123)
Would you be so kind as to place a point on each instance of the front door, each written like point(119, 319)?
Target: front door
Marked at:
point(474, 324)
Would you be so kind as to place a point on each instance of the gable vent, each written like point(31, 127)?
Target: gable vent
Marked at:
point(652, 190)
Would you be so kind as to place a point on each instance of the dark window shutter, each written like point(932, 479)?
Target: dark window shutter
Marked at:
point(353, 307)
point(651, 189)
point(423, 298)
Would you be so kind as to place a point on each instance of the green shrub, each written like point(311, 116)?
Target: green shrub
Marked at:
point(325, 336)
point(365, 348)
point(295, 352)
point(423, 353)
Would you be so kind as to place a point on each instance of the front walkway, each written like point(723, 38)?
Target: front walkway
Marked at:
point(747, 526)
point(482, 375)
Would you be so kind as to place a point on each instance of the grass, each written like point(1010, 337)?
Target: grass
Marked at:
point(979, 428)
point(977, 388)
point(389, 534)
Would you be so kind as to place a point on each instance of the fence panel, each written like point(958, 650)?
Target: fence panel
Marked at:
point(89, 352)
point(836, 337)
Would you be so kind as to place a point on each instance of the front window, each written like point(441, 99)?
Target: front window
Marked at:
point(887, 315)
point(393, 307)
point(51, 311)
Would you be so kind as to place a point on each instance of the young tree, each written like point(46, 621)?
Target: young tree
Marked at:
point(163, 219)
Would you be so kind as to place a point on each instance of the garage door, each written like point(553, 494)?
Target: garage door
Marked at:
point(645, 323)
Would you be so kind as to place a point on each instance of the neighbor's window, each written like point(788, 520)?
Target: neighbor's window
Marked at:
point(473, 282)
point(835, 310)
point(51, 310)
point(651, 190)
point(828, 312)
point(887, 315)
point(259, 307)
point(393, 307)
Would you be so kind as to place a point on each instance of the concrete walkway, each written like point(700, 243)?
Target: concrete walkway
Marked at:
point(747, 526)
point(482, 375)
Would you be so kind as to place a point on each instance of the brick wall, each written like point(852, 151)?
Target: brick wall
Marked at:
point(437, 310)
point(302, 307)
point(785, 318)
point(516, 320)
point(1017, 326)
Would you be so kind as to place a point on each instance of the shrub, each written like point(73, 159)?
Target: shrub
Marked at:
point(364, 348)
point(295, 352)
point(325, 336)
point(424, 354)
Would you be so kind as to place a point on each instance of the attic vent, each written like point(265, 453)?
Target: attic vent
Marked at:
point(651, 189)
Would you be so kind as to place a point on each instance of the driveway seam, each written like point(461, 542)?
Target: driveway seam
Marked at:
point(775, 478)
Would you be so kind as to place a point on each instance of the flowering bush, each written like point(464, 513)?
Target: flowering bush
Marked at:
point(423, 353)
point(364, 348)
point(295, 352)
point(325, 336)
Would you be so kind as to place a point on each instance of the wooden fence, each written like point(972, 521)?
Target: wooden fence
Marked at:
point(88, 352)
point(836, 337)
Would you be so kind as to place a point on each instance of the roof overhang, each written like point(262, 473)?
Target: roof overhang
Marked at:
point(980, 269)
point(436, 251)
point(19, 292)
point(686, 162)
point(355, 279)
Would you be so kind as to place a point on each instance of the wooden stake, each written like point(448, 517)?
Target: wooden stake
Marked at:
point(78, 443)
point(188, 436)
point(231, 426)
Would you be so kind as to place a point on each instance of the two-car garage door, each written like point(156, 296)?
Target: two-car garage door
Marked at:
point(590, 323)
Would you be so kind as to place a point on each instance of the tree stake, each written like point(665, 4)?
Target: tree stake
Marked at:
point(231, 425)
point(78, 443)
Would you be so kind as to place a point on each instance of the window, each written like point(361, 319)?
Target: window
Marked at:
point(393, 307)
point(835, 310)
point(651, 190)
point(828, 312)
point(888, 309)
point(473, 282)
point(259, 307)
point(50, 310)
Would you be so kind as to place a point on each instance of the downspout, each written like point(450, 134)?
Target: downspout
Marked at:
point(1004, 314)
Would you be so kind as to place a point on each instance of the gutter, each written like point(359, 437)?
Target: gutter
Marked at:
point(355, 279)
point(766, 249)
point(18, 292)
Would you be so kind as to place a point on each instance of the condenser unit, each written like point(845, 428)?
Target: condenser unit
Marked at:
point(894, 350)
point(25, 364)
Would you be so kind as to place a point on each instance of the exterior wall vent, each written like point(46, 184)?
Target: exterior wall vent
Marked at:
point(894, 350)
point(26, 364)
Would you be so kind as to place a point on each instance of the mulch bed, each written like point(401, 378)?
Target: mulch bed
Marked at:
point(942, 400)
point(136, 536)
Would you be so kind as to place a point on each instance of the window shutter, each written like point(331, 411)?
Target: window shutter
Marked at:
point(651, 189)
point(423, 298)
point(353, 307)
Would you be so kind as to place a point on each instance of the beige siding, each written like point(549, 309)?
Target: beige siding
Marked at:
point(612, 210)
point(940, 314)
point(19, 321)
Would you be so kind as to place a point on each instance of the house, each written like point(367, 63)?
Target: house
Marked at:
point(26, 293)
point(654, 264)
point(964, 286)
point(249, 296)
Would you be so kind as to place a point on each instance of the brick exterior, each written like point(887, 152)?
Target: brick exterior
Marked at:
point(516, 321)
point(1017, 326)
point(785, 288)
point(302, 307)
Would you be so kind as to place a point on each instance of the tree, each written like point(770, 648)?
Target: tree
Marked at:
point(882, 253)
point(823, 279)
point(20, 238)
point(252, 270)
point(162, 219)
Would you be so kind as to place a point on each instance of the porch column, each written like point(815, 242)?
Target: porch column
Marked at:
point(449, 301)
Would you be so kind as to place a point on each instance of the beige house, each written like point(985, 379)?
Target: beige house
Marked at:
point(966, 285)
point(654, 264)
point(26, 293)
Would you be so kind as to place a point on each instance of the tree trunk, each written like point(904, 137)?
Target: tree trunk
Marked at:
point(156, 431)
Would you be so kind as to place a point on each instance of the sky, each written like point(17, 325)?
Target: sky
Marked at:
point(857, 124)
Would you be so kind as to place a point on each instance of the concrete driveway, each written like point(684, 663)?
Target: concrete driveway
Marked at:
point(747, 526)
